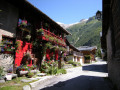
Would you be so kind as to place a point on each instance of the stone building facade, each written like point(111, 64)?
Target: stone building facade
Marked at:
point(111, 38)
point(8, 23)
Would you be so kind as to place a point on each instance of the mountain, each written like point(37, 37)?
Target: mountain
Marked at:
point(85, 33)
point(65, 26)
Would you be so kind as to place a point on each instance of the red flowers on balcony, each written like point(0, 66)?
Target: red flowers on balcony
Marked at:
point(48, 36)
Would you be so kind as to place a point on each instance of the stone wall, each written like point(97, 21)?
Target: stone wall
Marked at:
point(8, 24)
point(6, 61)
point(114, 57)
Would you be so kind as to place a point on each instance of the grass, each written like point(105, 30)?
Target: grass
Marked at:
point(14, 84)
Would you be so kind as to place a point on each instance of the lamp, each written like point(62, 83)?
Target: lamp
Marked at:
point(99, 15)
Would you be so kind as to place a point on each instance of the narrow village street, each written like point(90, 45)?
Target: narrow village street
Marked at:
point(89, 77)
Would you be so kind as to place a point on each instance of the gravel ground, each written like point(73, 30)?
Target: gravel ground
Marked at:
point(88, 77)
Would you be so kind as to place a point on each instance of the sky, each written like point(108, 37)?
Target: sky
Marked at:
point(68, 11)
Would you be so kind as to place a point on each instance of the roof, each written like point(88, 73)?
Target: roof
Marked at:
point(87, 48)
point(21, 4)
point(71, 46)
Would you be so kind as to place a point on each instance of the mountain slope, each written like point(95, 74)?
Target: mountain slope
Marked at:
point(65, 26)
point(85, 33)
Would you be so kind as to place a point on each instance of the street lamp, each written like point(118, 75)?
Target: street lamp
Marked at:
point(99, 15)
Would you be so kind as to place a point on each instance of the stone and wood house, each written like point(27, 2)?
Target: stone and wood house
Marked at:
point(111, 38)
point(88, 52)
point(27, 35)
point(74, 54)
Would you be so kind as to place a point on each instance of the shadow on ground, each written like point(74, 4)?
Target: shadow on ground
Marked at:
point(82, 83)
point(96, 68)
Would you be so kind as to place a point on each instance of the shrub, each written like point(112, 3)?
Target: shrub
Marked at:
point(61, 71)
point(87, 57)
point(51, 68)
point(2, 73)
point(48, 66)
point(70, 62)
point(74, 63)
point(30, 74)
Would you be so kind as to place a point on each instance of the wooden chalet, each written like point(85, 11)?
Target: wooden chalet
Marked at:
point(24, 26)
point(74, 54)
point(88, 51)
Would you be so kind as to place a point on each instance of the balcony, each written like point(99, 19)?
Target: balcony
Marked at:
point(48, 36)
point(75, 53)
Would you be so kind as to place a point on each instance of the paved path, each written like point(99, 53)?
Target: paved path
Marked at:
point(88, 77)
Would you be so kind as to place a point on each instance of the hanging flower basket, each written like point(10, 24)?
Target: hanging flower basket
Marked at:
point(40, 32)
point(28, 37)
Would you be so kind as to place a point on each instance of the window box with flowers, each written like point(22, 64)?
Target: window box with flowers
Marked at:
point(24, 69)
point(9, 51)
point(6, 46)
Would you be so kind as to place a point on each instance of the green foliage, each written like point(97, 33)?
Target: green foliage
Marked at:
point(36, 44)
point(63, 71)
point(48, 45)
point(40, 30)
point(30, 74)
point(17, 46)
point(28, 37)
point(9, 85)
point(62, 49)
point(86, 33)
point(2, 73)
point(74, 63)
point(51, 68)
point(98, 53)
point(46, 36)
point(51, 38)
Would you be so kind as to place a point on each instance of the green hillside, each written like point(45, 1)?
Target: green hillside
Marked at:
point(85, 33)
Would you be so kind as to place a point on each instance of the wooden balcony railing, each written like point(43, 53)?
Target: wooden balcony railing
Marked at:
point(48, 36)
point(75, 53)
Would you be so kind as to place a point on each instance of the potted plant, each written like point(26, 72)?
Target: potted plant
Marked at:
point(40, 32)
point(23, 23)
point(22, 68)
point(10, 70)
point(28, 37)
